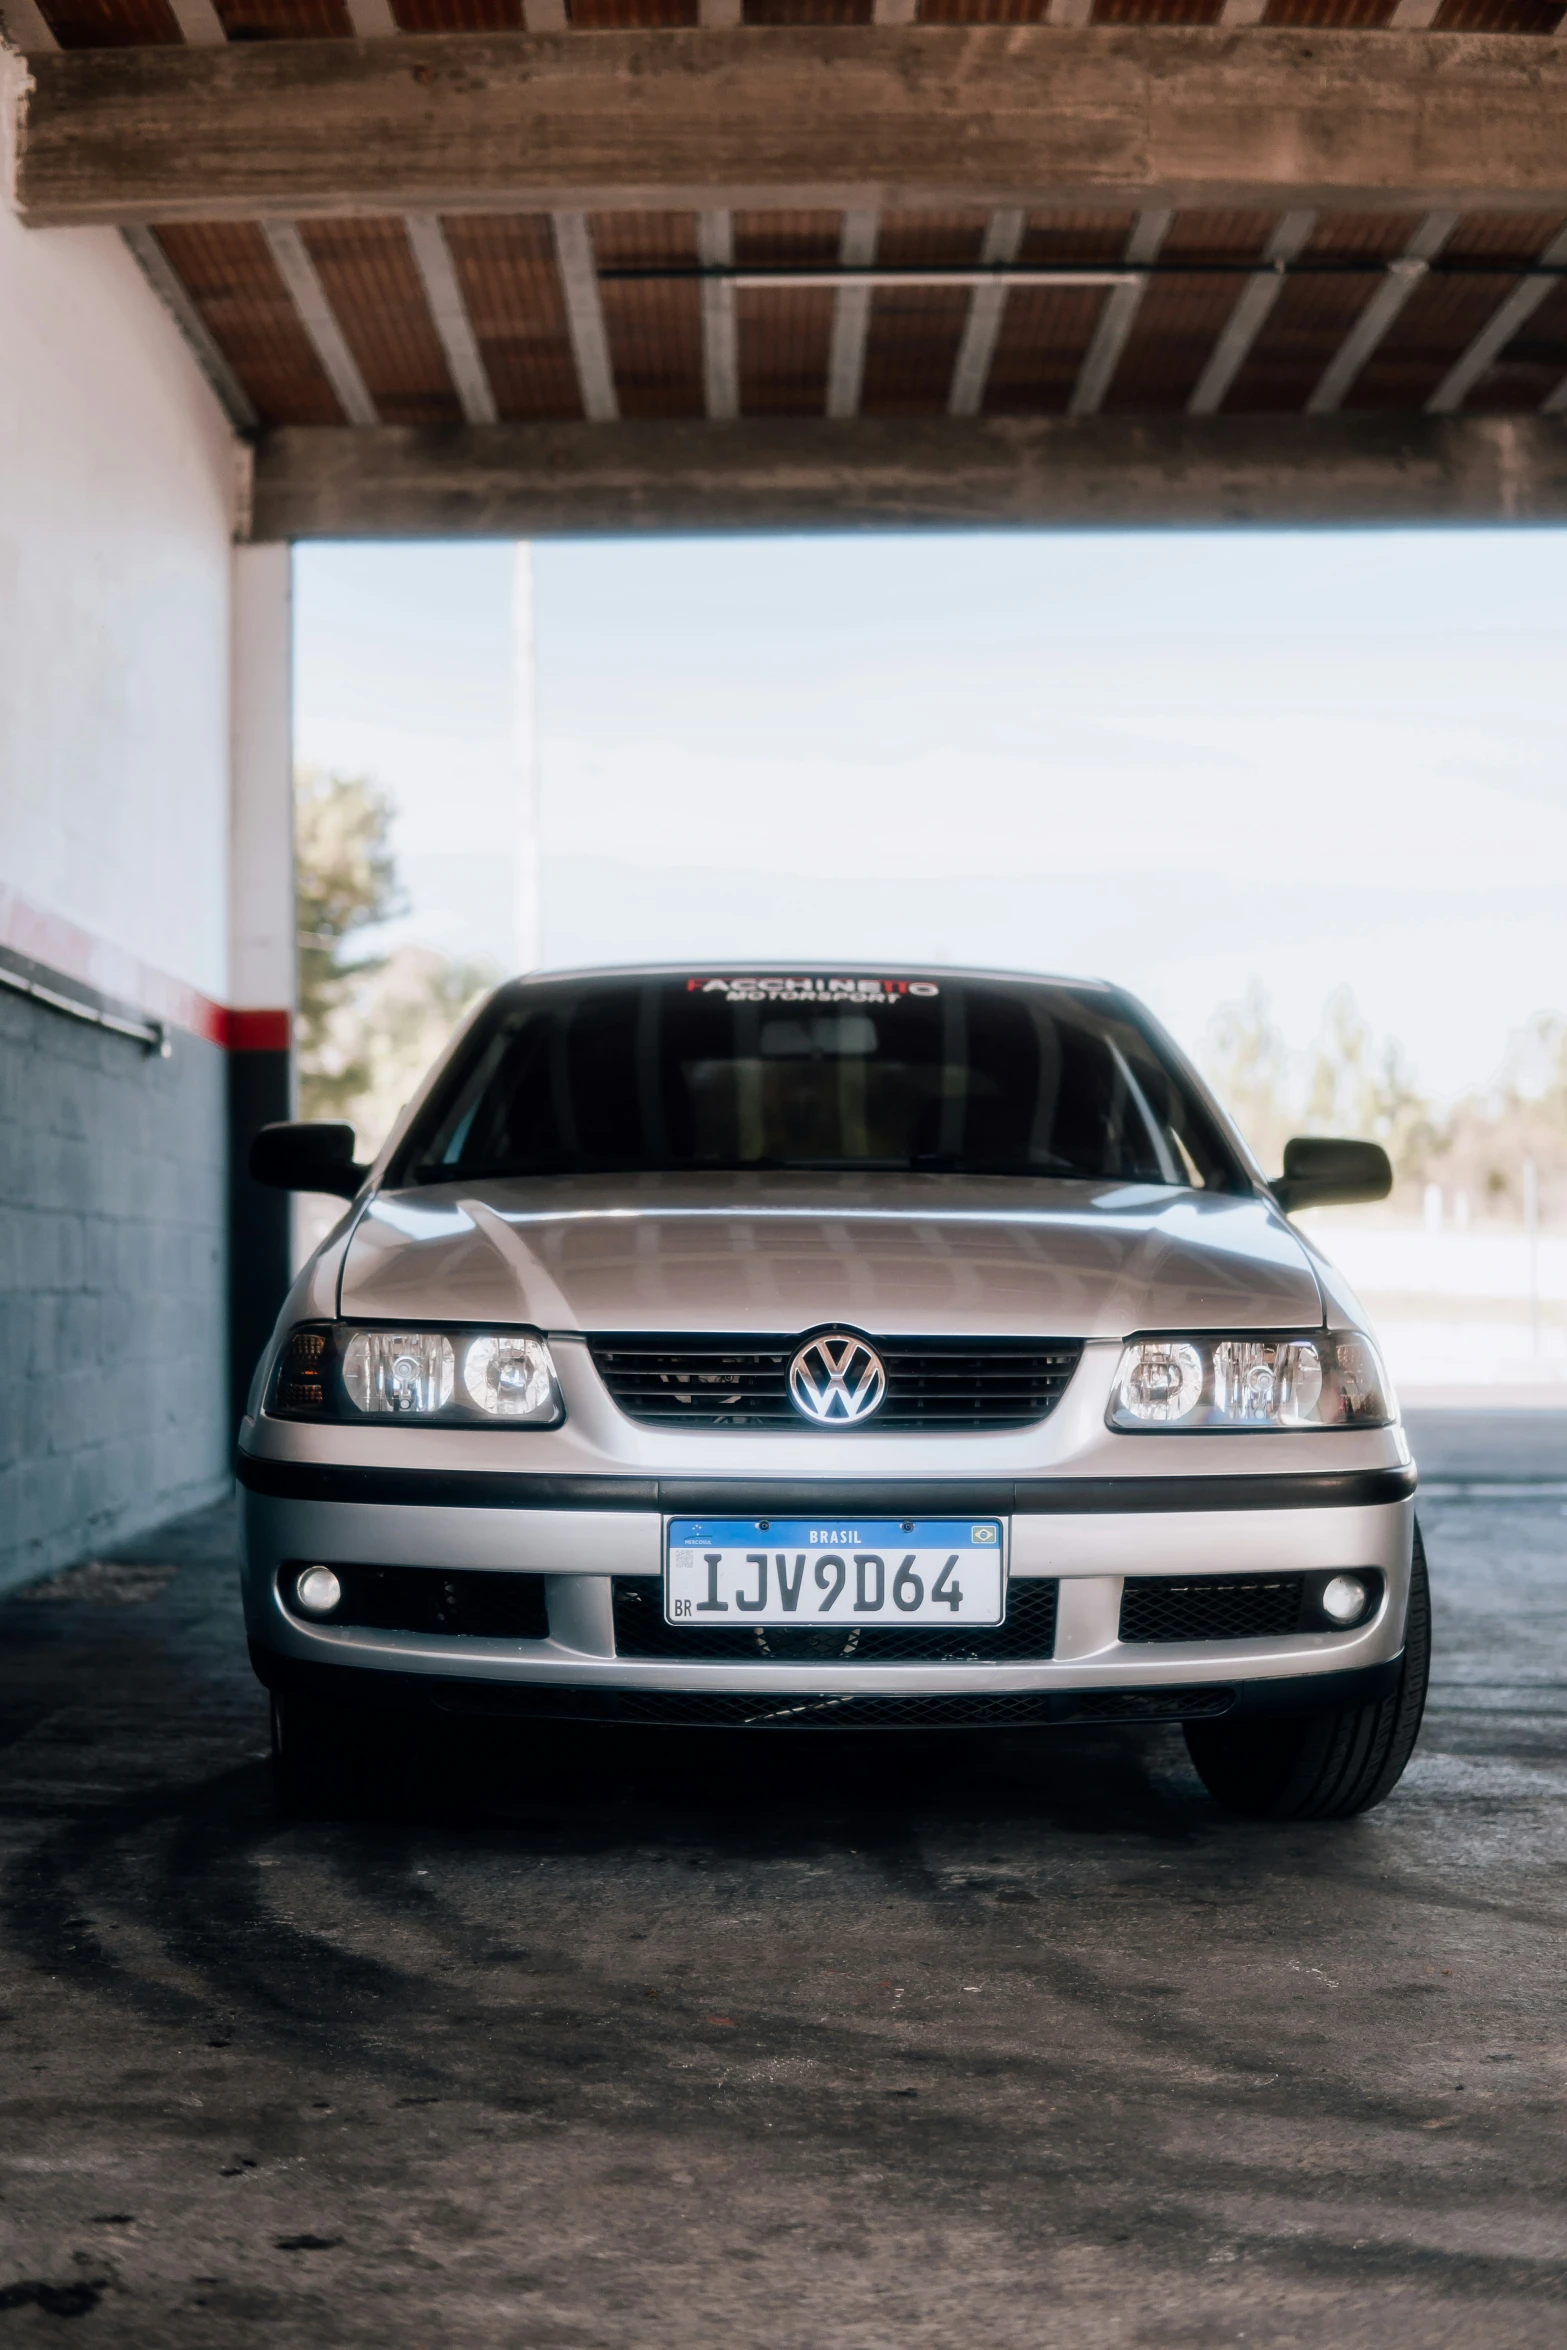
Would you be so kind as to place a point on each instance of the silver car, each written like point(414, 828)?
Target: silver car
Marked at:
point(825, 1349)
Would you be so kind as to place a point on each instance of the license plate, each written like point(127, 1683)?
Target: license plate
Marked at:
point(814, 1571)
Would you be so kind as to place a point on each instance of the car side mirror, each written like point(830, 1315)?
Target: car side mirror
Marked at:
point(1319, 1173)
point(307, 1155)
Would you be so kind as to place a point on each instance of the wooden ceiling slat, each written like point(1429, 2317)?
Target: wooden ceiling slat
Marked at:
point(1054, 240)
point(983, 11)
point(367, 270)
point(1181, 318)
point(784, 340)
point(1314, 313)
point(913, 333)
point(1198, 12)
point(1344, 15)
point(1045, 333)
point(1177, 326)
point(655, 343)
point(588, 16)
point(458, 16)
point(807, 12)
point(104, 24)
point(1171, 343)
point(1498, 16)
point(1501, 236)
point(510, 283)
point(630, 240)
point(786, 240)
point(1218, 236)
point(284, 20)
point(655, 325)
point(930, 240)
point(112, 24)
point(1449, 308)
point(1531, 366)
point(506, 268)
point(232, 279)
point(911, 349)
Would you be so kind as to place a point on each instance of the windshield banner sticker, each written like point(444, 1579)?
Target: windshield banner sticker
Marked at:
point(745, 990)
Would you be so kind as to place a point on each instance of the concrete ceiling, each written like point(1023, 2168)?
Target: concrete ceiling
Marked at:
point(644, 272)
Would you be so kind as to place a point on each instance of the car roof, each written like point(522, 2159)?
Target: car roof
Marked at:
point(807, 967)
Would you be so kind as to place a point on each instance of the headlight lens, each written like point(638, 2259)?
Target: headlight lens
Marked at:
point(1331, 1380)
point(399, 1371)
point(511, 1378)
point(331, 1371)
point(1160, 1381)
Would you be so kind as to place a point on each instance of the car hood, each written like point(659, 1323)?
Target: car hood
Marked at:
point(894, 1256)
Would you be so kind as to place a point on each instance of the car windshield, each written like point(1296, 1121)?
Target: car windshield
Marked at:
point(820, 1072)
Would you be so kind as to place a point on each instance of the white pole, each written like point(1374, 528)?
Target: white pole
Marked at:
point(530, 945)
point(1531, 1225)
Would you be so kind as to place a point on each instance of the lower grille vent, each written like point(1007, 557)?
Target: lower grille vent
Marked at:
point(744, 1382)
point(1218, 1607)
point(813, 1710)
point(469, 1604)
point(1027, 1634)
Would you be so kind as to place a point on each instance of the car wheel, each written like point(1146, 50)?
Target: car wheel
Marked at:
point(1326, 1766)
point(332, 1762)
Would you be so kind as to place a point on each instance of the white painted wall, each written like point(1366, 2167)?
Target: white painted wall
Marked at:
point(263, 954)
point(117, 476)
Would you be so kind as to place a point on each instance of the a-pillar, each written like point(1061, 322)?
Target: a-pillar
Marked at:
point(262, 955)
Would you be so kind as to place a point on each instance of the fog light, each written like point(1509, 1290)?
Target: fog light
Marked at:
point(318, 1591)
point(1344, 1599)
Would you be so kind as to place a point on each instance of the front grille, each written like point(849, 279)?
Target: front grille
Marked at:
point(468, 1604)
point(1028, 1633)
point(743, 1382)
point(1218, 1607)
point(813, 1710)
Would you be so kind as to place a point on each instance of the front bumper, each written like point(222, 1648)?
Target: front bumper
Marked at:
point(1087, 1533)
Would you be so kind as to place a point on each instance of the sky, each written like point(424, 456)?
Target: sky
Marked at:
point(1189, 762)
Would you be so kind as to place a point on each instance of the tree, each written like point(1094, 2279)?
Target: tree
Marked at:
point(1362, 1088)
point(369, 1024)
point(346, 880)
point(1480, 1151)
point(1249, 1064)
point(401, 1019)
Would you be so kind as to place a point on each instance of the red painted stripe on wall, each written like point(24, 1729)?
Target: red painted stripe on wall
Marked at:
point(65, 948)
point(258, 1032)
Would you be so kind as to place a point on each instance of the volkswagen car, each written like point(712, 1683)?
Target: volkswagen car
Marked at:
point(831, 1349)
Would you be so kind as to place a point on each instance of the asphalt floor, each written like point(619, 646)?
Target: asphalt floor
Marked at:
point(633, 2041)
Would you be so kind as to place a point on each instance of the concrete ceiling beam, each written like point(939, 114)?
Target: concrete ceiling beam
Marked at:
point(851, 118)
point(530, 481)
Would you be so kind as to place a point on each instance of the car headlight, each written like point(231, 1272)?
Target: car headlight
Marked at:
point(1333, 1379)
point(484, 1378)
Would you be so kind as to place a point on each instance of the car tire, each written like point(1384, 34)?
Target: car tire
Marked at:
point(1326, 1766)
point(332, 1762)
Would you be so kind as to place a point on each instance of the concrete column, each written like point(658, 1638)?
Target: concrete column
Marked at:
point(262, 964)
point(530, 947)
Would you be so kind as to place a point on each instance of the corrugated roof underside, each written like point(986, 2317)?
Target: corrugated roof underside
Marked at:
point(230, 275)
point(111, 24)
point(507, 273)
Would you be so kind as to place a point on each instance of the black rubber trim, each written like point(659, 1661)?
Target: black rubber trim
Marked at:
point(490, 1489)
point(1323, 1489)
point(627, 1707)
point(476, 1489)
point(1317, 1693)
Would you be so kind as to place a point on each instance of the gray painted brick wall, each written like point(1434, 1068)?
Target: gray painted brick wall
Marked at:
point(113, 1373)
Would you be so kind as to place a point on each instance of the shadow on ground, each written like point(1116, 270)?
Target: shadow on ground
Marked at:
point(645, 2039)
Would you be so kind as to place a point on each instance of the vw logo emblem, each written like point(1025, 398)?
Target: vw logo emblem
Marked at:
point(836, 1378)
